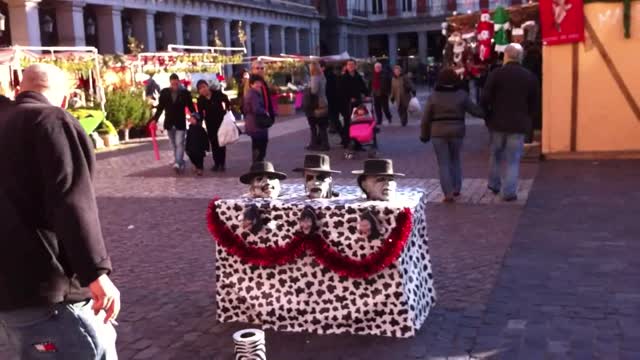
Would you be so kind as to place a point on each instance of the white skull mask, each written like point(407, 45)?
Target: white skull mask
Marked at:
point(265, 186)
point(381, 188)
point(318, 184)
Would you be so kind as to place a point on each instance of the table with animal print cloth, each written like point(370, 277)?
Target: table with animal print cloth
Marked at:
point(333, 266)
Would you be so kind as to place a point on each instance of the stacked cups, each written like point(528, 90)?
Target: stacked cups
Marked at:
point(250, 345)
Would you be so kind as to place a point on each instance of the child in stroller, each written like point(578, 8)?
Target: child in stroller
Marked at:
point(362, 132)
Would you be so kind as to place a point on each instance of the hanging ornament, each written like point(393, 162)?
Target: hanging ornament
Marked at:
point(484, 32)
point(501, 25)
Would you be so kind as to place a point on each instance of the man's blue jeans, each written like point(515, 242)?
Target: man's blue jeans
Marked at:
point(72, 329)
point(177, 138)
point(449, 164)
point(504, 162)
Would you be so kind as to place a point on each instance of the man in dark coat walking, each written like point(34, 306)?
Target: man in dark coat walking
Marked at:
point(380, 86)
point(173, 101)
point(352, 89)
point(335, 126)
point(53, 261)
point(510, 99)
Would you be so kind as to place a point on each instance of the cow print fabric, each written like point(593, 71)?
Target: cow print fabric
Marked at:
point(306, 297)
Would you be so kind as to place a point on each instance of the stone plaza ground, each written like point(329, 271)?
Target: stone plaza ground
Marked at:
point(551, 276)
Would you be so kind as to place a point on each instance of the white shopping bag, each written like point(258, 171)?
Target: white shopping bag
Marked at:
point(414, 106)
point(228, 132)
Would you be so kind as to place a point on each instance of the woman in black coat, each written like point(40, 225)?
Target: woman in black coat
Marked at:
point(213, 104)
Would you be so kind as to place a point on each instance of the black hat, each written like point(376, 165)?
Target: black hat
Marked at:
point(261, 168)
point(317, 162)
point(377, 167)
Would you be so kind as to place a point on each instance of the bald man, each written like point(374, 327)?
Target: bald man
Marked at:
point(510, 98)
point(53, 262)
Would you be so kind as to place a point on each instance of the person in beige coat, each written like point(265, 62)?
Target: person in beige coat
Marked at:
point(402, 89)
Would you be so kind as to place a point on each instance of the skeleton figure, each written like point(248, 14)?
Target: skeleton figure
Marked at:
point(317, 176)
point(263, 180)
point(265, 186)
point(379, 187)
point(560, 8)
point(377, 180)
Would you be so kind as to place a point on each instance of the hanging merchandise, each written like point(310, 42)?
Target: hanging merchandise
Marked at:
point(501, 25)
point(485, 30)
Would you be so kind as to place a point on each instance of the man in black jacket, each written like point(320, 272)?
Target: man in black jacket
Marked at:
point(352, 89)
point(53, 262)
point(510, 99)
point(173, 101)
point(332, 98)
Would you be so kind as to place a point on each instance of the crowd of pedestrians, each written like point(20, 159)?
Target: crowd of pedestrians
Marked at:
point(48, 206)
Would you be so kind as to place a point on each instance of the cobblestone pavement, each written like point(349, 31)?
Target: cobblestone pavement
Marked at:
point(551, 276)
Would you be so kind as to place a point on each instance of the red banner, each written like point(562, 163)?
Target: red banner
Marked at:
point(561, 21)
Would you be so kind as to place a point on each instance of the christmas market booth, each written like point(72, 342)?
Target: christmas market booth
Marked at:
point(85, 96)
point(591, 87)
point(476, 40)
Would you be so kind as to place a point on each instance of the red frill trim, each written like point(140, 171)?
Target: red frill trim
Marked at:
point(314, 244)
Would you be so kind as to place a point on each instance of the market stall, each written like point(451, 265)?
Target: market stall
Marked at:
point(329, 276)
point(477, 40)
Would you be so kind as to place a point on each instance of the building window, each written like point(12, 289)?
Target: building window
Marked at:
point(376, 7)
point(358, 8)
point(407, 6)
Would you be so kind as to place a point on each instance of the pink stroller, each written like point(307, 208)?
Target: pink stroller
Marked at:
point(362, 131)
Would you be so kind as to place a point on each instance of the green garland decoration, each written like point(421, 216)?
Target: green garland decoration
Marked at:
point(68, 63)
point(626, 14)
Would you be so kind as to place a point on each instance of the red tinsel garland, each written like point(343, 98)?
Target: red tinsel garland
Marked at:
point(316, 245)
point(261, 256)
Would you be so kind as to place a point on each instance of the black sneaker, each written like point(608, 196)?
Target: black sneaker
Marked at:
point(511, 198)
point(494, 191)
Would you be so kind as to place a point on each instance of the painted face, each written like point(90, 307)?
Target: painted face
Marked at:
point(364, 228)
point(318, 184)
point(381, 188)
point(306, 225)
point(378, 68)
point(265, 186)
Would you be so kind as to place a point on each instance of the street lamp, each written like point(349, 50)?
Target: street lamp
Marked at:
point(47, 24)
point(91, 27)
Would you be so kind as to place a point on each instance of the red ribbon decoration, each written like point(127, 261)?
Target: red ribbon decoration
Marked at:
point(314, 244)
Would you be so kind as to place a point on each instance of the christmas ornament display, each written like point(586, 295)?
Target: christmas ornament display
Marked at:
point(501, 25)
point(484, 30)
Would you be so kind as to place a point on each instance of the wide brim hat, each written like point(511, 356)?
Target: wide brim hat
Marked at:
point(377, 167)
point(261, 168)
point(317, 162)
